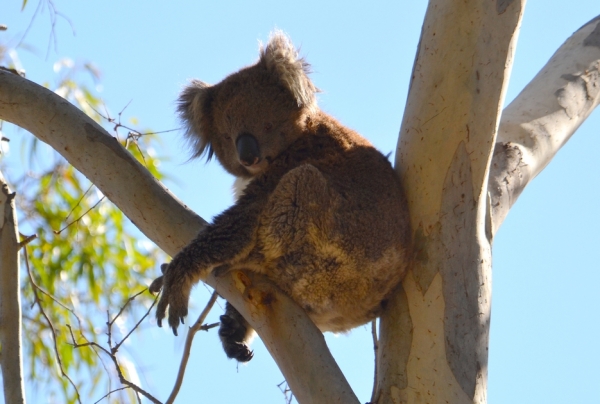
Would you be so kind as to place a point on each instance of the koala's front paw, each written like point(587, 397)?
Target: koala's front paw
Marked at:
point(176, 288)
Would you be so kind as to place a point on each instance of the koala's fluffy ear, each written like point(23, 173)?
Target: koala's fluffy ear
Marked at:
point(193, 107)
point(281, 56)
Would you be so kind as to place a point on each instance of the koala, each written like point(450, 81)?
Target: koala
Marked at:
point(323, 214)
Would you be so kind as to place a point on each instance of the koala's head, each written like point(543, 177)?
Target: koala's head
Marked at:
point(252, 115)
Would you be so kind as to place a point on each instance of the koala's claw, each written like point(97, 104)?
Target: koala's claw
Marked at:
point(175, 319)
point(239, 351)
point(174, 297)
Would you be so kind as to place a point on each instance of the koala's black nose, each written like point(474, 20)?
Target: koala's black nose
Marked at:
point(248, 150)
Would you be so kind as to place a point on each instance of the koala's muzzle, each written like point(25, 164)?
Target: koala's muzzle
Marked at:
point(248, 149)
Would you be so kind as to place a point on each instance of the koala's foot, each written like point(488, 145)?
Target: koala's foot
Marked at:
point(234, 333)
point(176, 287)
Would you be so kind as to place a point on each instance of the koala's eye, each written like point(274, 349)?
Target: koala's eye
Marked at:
point(268, 126)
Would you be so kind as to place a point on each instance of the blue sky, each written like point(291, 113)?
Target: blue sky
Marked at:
point(546, 276)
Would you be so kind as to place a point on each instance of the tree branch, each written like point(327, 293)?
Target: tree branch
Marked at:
point(171, 225)
point(101, 158)
point(544, 116)
point(10, 300)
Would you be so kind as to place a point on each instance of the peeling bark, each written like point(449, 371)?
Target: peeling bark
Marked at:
point(10, 300)
point(544, 116)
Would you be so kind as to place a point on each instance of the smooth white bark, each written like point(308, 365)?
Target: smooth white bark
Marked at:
point(543, 117)
point(312, 374)
point(10, 300)
point(446, 139)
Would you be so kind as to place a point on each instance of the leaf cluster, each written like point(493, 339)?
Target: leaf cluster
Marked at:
point(86, 261)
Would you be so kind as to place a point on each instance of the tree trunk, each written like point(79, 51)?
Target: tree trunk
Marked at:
point(10, 300)
point(434, 339)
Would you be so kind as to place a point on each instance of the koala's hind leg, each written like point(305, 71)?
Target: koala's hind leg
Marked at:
point(235, 333)
point(302, 201)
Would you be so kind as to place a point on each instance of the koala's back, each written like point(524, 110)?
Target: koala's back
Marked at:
point(334, 233)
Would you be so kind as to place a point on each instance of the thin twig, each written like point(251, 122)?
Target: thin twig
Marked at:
point(109, 393)
point(78, 202)
point(80, 217)
point(35, 14)
point(122, 378)
point(52, 330)
point(109, 328)
point(43, 291)
point(374, 394)
point(287, 392)
point(116, 347)
point(26, 240)
point(112, 350)
point(118, 124)
point(129, 300)
point(207, 327)
point(133, 135)
point(188, 346)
